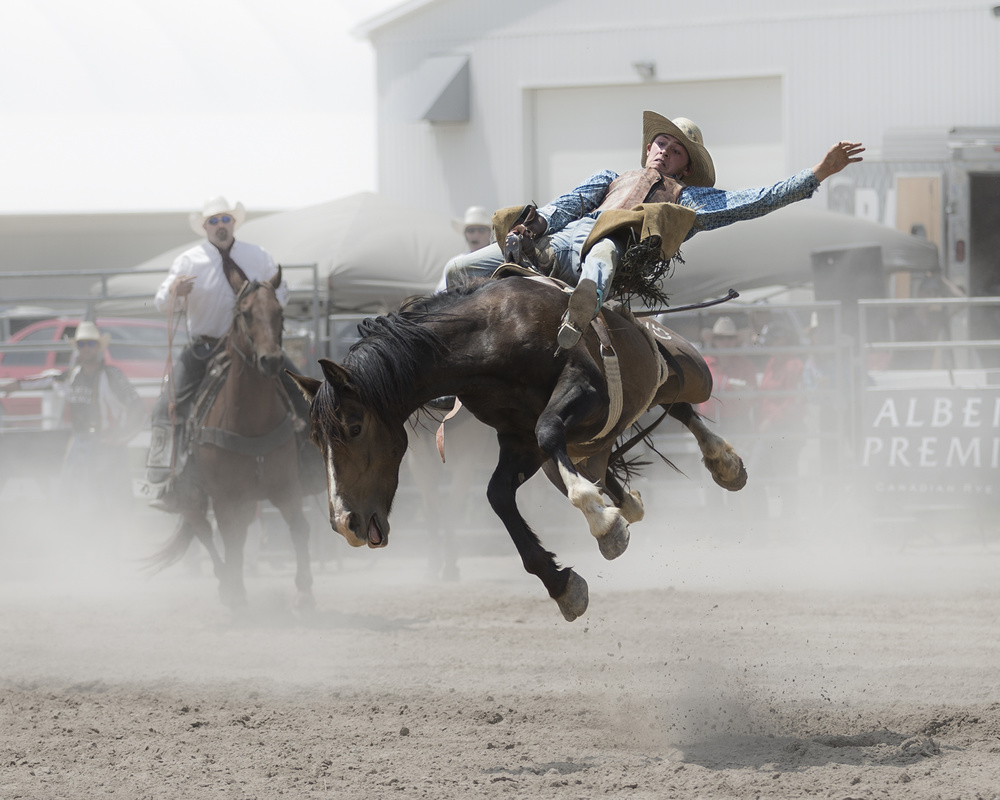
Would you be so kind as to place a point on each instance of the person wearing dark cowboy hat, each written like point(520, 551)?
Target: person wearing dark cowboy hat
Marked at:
point(582, 234)
point(197, 283)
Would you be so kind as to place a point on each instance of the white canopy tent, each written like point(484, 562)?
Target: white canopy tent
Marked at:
point(371, 253)
point(777, 250)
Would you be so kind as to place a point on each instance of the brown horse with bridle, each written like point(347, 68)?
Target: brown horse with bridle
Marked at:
point(492, 345)
point(243, 447)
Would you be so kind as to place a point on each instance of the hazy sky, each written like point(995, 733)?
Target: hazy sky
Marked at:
point(149, 105)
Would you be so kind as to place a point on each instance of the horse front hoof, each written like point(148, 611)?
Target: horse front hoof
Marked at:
point(233, 599)
point(574, 601)
point(615, 541)
point(305, 602)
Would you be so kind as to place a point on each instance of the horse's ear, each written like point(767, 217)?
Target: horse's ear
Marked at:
point(276, 280)
point(339, 377)
point(308, 386)
point(237, 279)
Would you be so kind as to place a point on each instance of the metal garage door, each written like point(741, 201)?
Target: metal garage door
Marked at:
point(574, 132)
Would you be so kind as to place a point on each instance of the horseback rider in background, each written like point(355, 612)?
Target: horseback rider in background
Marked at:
point(198, 284)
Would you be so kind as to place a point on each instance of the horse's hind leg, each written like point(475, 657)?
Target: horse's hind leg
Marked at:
point(514, 467)
point(718, 456)
point(607, 525)
point(629, 503)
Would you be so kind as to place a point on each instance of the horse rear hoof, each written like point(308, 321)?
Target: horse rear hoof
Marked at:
point(574, 601)
point(615, 541)
point(728, 471)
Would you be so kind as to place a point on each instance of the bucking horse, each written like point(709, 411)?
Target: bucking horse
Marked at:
point(492, 345)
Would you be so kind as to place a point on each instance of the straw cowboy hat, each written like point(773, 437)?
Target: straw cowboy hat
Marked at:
point(214, 207)
point(87, 332)
point(474, 215)
point(688, 134)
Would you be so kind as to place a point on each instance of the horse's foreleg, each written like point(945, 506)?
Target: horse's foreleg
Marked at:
point(298, 529)
point(233, 523)
point(718, 456)
point(514, 467)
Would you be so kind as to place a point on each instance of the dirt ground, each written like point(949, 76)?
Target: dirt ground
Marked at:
point(716, 661)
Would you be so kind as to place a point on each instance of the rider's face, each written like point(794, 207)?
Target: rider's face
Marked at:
point(667, 156)
point(219, 229)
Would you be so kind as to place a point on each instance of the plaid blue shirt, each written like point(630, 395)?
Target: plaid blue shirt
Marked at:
point(714, 208)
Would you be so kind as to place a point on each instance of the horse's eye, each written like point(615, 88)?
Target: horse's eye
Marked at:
point(355, 430)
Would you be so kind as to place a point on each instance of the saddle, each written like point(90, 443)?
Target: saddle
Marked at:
point(194, 431)
point(656, 335)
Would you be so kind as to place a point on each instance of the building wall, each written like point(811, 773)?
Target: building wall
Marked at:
point(845, 70)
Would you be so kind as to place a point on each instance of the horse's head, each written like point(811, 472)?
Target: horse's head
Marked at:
point(362, 453)
point(257, 322)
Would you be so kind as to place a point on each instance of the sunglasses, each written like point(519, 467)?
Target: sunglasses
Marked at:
point(86, 343)
point(225, 219)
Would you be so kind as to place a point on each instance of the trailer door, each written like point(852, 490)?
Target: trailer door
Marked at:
point(918, 212)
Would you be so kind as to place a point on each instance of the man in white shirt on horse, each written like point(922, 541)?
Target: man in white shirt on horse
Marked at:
point(197, 284)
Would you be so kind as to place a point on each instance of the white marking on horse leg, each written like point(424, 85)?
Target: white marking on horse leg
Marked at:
point(632, 508)
point(587, 497)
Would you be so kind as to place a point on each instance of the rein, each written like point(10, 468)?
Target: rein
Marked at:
point(168, 372)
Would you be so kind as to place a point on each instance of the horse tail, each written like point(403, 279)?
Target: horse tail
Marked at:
point(174, 550)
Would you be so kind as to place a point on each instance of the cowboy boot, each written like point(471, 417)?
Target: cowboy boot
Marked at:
point(584, 303)
point(159, 470)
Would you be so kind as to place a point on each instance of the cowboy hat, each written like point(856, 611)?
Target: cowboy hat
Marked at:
point(724, 326)
point(87, 331)
point(474, 215)
point(217, 205)
point(702, 171)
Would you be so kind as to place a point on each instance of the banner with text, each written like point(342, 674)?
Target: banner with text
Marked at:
point(933, 446)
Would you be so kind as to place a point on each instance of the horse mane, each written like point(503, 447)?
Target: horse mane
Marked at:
point(386, 361)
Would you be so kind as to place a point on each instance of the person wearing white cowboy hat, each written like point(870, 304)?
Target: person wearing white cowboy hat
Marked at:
point(87, 331)
point(197, 283)
point(671, 196)
point(105, 413)
point(476, 227)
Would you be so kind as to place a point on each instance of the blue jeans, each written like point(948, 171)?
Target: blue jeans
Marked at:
point(564, 247)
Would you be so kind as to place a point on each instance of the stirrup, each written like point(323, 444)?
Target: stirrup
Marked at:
point(568, 334)
point(583, 307)
point(162, 496)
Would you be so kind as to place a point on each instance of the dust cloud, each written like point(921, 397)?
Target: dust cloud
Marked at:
point(742, 645)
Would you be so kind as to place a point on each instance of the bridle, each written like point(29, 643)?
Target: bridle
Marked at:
point(241, 327)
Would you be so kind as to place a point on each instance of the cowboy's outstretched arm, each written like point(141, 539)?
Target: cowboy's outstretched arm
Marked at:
point(836, 158)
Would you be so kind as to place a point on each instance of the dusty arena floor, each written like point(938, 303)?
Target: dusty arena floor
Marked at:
point(711, 664)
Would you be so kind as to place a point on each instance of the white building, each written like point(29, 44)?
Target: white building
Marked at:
point(502, 103)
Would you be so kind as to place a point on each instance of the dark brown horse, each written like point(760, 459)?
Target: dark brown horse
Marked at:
point(244, 449)
point(492, 345)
